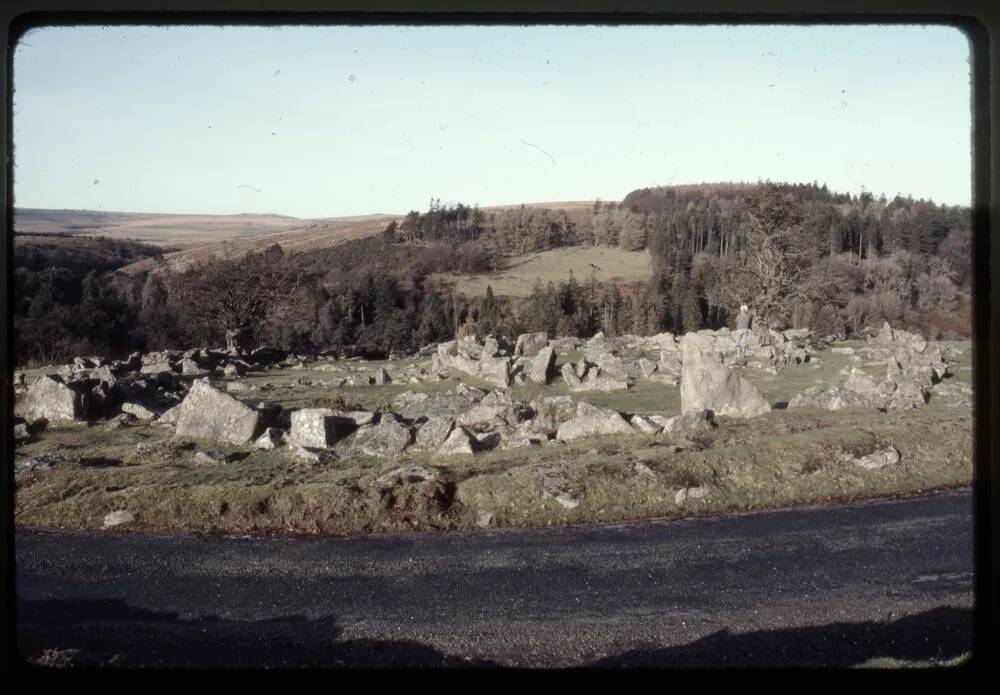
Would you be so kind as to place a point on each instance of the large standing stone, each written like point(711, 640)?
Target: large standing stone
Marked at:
point(529, 344)
point(543, 365)
point(53, 400)
point(707, 384)
point(208, 413)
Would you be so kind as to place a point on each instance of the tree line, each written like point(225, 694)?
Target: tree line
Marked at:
point(801, 255)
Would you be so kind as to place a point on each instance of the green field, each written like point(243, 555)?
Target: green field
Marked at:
point(519, 277)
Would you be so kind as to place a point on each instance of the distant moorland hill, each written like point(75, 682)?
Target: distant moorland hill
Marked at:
point(177, 230)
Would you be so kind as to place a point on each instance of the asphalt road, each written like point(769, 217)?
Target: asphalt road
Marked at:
point(830, 586)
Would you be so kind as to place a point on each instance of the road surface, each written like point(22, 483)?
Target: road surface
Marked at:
point(833, 586)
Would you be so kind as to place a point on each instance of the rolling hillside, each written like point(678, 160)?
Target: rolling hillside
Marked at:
point(304, 238)
point(315, 234)
point(178, 230)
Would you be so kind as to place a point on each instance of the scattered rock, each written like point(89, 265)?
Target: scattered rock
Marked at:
point(591, 420)
point(645, 424)
point(151, 446)
point(389, 437)
point(878, 459)
point(301, 453)
point(119, 421)
point(434, 432)
point(210, 456)
point(643, 469)
point(555, 486)
point(270, 439)
point(139, 411)
point(118, 518)
point(484, 519)
point(315, 427)
point(683, 495)
point(44, 462)
point(687, 423)
point(407, 474)
point(458, 442)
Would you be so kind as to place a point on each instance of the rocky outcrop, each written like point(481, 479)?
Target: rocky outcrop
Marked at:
point(468, 356)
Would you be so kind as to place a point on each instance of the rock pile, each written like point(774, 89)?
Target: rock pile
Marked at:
point(144, 385)
point(913, 374)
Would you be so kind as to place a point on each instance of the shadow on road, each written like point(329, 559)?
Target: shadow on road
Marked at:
point(109, 632)
point(941, 633)
point(112, 633)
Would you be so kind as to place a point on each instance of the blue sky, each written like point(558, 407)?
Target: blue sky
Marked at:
point(328, 121)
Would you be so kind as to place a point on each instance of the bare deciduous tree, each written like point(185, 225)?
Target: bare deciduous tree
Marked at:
point(237, 294)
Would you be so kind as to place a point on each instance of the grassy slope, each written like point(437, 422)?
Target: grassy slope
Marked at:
point(784, 458)
point(518, 279)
